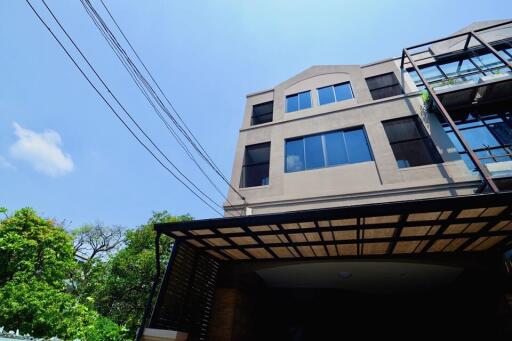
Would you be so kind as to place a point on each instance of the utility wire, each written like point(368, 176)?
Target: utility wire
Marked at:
point(140, 81)
point(146, 88)
point(118, 102)
point(112, 108)
point(202, 150)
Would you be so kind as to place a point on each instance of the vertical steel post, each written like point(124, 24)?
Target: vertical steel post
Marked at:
point(149, 302)
point(481, 168)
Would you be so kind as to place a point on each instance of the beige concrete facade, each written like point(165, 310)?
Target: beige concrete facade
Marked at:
point(380, 180)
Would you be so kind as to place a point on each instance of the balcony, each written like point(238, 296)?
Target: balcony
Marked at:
point(467, 78)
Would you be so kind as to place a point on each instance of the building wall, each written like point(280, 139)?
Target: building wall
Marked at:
point(374, 181)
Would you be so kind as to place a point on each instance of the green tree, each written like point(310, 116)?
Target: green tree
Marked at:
point(37, 308)
point(36, 262)
point(33, 247)
point(123, 283)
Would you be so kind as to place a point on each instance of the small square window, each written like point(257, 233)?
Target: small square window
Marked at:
point(335, 93)
point(298, 101)
point(410, 142)
point(383, 86)
point(262, 113)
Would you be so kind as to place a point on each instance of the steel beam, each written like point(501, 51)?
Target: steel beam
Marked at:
point(490, 48)
point(480, 167)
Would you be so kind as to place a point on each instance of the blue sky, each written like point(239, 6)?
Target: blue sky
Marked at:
point(65, 154)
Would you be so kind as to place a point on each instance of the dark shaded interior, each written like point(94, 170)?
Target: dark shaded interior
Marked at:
point(473, 305)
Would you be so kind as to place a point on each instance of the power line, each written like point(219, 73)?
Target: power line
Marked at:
point(200, 149)
point(147, 90)
point(118, 102)
point(139, 80)
point(113, 110)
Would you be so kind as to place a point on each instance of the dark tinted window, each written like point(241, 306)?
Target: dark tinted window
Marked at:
point(262, 113)
point(255, 170)
point(327, 149)
point(410, 142)
point(383, 86)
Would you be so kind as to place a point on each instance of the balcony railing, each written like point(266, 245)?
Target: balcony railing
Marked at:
point(425, 55)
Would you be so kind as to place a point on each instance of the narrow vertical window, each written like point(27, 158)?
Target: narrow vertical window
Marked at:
point(411, 144)
point(255, 170)
point(295, 155)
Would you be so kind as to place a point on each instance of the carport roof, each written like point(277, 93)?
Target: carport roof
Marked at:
point(474, 223)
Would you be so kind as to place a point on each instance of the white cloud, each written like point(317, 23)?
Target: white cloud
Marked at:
point(5, 164)
point(41, 150)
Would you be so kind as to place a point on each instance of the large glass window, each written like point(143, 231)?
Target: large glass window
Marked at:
point(410, 142)
point(298, 101)
point(255, 170)
point(383, 86)
point(488, 134)
point(335, 93)
point(327, 149)
point(262, 113)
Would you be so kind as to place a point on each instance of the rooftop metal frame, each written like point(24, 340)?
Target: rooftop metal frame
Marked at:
point(487, 177)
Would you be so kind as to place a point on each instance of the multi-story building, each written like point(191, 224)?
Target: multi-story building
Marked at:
point(340, 135)
point(365, 199)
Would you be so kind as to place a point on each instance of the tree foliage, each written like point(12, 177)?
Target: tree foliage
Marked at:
point(37, 308)
point(96, 241)
point(33, 247)
point(37, 264)
point(89, 284)
point(122, 284)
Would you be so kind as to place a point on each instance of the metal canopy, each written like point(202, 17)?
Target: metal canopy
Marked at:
point(461, 224)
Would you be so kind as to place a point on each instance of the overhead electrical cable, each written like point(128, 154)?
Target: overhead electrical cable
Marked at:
point(149, 93)
point(201, 150)
point(114, 111)
point(140, 82)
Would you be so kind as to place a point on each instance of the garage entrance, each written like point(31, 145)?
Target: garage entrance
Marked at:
point(363, 299)
point(431, 267)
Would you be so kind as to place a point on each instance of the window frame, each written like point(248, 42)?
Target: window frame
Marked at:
point(397, 82)
point(299, 107)
point(424, 136)
point(480, 120)
point(243, 182)
point(325, 150)
point(334, 92)
point(260, 115)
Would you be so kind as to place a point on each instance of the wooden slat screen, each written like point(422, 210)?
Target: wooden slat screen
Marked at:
point(185, 299)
